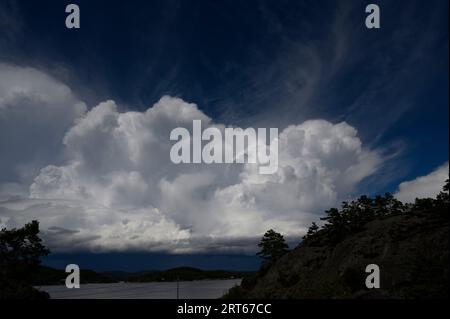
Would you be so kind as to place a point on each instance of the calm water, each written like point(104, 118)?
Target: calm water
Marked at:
point(203, 289)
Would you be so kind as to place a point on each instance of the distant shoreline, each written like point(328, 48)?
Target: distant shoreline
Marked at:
point(48, 276)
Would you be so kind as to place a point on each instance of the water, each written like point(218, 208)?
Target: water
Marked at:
point(202, 289)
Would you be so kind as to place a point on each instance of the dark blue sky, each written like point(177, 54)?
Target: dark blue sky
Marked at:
point(257, 63)
point(242, 62)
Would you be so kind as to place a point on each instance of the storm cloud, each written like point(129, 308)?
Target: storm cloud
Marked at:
point(102, 179)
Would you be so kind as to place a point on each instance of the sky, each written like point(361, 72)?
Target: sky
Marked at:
point(86, 114)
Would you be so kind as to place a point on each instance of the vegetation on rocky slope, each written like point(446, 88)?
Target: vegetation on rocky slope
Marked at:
point(409, 242)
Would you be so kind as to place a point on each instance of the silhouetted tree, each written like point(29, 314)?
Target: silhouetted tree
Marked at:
point(354, 215)
point(443, 196)
point(272, 245)
point(311, 230)
point(20, 253)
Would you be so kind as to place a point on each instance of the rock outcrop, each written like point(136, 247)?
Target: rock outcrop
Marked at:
point(411, 250)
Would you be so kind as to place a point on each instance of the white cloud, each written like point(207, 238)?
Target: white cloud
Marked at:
point(35, 112)
point(117, 189)
point(77, 225)
point(427, 186)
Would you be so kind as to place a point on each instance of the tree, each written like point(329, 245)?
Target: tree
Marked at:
point(311, 230)
point(272, 245)
point(443, 196)
point(20, 253)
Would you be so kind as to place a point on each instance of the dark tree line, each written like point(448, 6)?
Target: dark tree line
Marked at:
point(20, 254)
point(351, 218)
point(340, 223)
point(353, 215)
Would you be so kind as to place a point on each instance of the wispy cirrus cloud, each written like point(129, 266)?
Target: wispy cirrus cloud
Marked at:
point(115, 187)
point(100, 177)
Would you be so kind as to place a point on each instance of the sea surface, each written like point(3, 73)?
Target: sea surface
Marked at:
point(202, 289)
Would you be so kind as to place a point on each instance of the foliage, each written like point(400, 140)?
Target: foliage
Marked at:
point(354, 215)
point(311, 231)
point(429, 274)
point(20, 253)
point(272, 245)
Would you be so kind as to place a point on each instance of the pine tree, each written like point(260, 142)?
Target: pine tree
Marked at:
point(311, 230)
point(272, 245)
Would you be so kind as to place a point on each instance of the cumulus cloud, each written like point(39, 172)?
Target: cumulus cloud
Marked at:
point(427, 186)
point(116, 188)
point(74, 225)
point(35, 113)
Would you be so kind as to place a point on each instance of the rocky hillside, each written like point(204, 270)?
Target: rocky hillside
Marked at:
point(409, 243)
